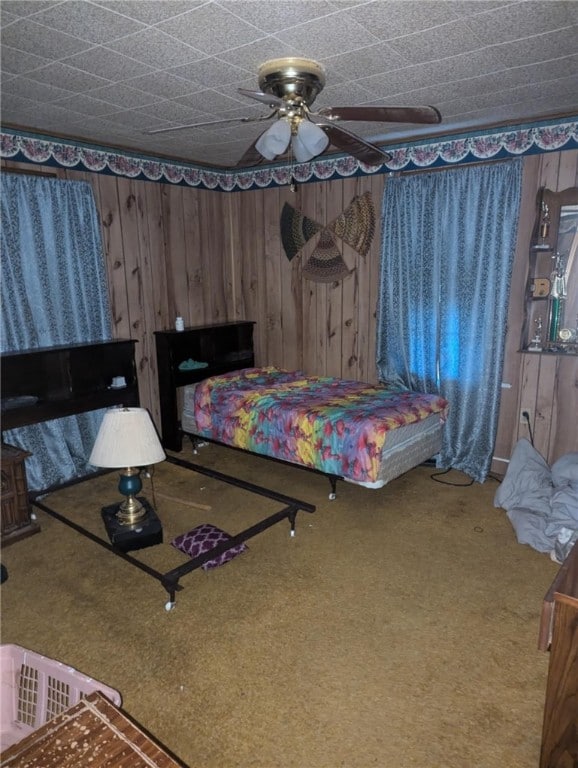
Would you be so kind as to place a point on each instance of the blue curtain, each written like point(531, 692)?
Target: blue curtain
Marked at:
point(53, 292)
point(448, 245)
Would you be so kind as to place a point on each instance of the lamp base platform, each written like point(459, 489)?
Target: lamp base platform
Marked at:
point(146, 533)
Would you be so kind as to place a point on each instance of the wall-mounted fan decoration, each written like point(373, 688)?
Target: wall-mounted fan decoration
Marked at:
point(355, 226)
point(289, 87)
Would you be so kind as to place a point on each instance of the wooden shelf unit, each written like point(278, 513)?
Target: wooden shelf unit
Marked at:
point(63, 380)
point(224, 346)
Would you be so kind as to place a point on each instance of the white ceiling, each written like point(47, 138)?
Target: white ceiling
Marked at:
point(106, 72)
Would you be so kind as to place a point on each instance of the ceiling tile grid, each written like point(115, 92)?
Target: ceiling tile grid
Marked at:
point(108, 72)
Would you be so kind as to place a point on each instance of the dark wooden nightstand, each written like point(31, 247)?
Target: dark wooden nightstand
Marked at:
point(16, 512)
point(559, 630)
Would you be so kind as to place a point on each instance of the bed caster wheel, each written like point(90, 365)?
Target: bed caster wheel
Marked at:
point(169, 606)
point(332, 496)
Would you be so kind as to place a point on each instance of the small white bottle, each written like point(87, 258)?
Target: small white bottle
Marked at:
point(179, 324)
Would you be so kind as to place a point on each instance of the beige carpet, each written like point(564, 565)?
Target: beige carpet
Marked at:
point(398, 628)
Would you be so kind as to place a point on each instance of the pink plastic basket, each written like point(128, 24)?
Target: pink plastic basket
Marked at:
point(34, 689)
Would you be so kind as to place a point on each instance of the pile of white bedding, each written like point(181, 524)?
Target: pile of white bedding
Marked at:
point(541, 501)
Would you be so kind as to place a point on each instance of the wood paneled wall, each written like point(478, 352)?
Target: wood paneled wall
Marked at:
point(213, 256)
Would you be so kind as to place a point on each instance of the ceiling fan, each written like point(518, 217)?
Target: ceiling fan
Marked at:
point(289, 87)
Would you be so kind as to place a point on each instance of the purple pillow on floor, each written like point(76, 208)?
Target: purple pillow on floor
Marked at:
point(203, 538)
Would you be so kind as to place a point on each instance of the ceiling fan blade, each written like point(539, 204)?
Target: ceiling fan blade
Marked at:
point(265, 98)
point(383, 114)
point(214, 122)
point(355, 145)
point(251, 156)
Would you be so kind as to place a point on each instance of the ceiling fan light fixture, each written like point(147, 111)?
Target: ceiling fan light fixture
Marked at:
point(309, 141)
point(300, 151)
point(275, 140)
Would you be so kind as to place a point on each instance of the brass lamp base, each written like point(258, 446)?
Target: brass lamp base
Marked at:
point(146, 533)
point(131, 511)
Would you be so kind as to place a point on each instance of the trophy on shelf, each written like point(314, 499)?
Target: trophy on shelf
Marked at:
point(536, 342)
point(544, 229)
point(557, 296)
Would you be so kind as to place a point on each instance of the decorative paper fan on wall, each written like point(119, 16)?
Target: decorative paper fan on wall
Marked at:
point(296, 230)
point(355, 226)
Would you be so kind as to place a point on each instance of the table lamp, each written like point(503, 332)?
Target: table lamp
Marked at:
point(127, 440)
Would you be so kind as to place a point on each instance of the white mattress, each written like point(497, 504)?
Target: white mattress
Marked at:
point(405, 447)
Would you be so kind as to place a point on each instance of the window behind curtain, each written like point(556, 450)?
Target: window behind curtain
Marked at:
point(53, 292)
point(448, 244)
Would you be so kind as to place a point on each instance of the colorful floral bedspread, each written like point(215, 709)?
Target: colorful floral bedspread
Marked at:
point(338, 427)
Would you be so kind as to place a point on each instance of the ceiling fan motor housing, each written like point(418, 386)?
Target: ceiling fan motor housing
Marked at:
point(292, 79)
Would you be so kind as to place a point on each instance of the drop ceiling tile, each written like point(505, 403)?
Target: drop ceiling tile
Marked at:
point(56, 115)
point(212, 28)
point(434, 73)
point(440, 42)
point(172, 112)
point(520, 20)
point(164, 84)
point(140, 121)
point(250, 57)
point(96, 129)
point(61, 75)
point(466, 8)
point(156, 48)
point(551, 45)
point(27, 8)
point(30, 89)
point(350, 94)
point(279, 15)
point(122, 95)
point(6, 18)
point(328, 36)
point(88, 22)
point(85, 105)
point(210, 72)
point(209, 100)
point(151, 11)
point(109, 64)
point(19, 62)
point(26, 35)
point(402, 17)
point(365, 62)
point(14, 105)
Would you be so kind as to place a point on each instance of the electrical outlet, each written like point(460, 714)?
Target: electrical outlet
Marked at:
point(525, 412)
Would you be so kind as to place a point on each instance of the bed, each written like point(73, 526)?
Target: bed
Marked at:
point(347, 430)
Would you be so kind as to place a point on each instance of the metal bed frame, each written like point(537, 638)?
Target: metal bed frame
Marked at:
point(170, 579)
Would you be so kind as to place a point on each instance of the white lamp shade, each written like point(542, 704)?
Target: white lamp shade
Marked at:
point(275, 140)
point(127, 438)
point(312, 138)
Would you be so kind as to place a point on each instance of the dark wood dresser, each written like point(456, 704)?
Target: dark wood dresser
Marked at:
point(559, 632)
point(17, 522)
